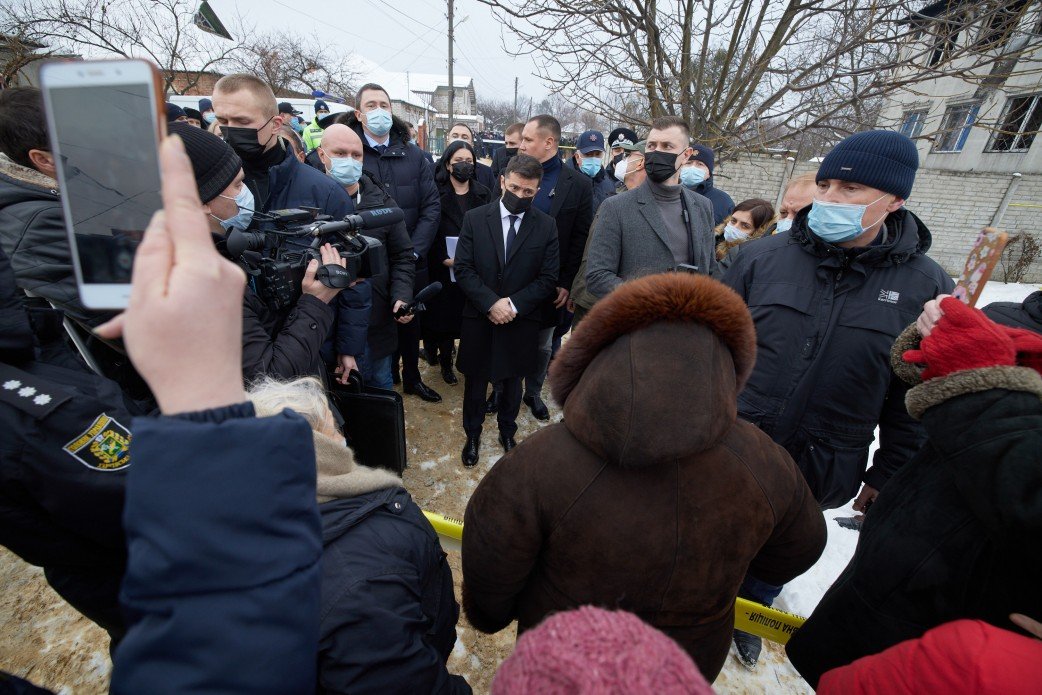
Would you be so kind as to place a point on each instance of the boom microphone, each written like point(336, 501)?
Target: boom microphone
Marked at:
point(366, 219)
point(417, 304)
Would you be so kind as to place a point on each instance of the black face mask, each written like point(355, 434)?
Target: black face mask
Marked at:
point(516, 205)
point(660, 165)
point(462, 171)
point(610, 169)
point(511, 151)
point(244, 141)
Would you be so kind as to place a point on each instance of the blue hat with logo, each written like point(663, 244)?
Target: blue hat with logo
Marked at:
point(882, 159)
point(590, 141)
point(321, 105)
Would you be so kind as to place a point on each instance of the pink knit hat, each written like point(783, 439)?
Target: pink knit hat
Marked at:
point(591, 650)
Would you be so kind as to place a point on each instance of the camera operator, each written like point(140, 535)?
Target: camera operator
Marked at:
point(341, 153)
point(284, 344)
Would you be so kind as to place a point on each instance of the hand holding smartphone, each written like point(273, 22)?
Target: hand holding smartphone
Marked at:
point(105, 119)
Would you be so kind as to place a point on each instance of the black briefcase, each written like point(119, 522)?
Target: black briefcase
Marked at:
point(374, 422)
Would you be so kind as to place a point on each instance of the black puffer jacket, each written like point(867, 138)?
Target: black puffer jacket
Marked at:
point(32, 233)
point(408, 177)
point(1027, 314)
point(825, 321)
point(388, 609)
point(955, 533)
point(284, 344)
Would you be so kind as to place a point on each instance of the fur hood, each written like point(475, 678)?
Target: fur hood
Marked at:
point(27, 179)
point(654, 369)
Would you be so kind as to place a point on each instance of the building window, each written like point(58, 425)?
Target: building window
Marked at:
point(955, 128)
point(1019, 124)
point(912, 123)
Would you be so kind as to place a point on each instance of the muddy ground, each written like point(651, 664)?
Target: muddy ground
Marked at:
point(46, 641)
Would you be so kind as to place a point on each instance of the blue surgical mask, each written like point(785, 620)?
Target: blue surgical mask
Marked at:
point(242, 220)
point(691, 176)
point(297, 124)
point(379, 122)
point(590, 166)
point(732, 233)
point(783, 225)
point(209, 117)
point(345, 170)
point(839, 222)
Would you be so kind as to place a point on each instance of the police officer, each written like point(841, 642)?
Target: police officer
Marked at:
point(616, 139)
point(63, 460)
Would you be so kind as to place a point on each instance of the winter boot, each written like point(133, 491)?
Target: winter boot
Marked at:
point(748, 648)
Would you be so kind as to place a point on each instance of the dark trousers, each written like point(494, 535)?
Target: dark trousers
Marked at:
point(409, 349)
point(474, 393)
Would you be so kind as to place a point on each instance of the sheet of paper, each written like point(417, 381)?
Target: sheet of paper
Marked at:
point(450, 249)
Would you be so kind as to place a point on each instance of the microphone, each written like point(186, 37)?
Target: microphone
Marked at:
point(417, 304)
point(366, 219)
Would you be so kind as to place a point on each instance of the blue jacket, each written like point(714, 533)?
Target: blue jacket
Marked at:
point(408, 177)
point(723, 206)
point(223, 577)
point(388, 609)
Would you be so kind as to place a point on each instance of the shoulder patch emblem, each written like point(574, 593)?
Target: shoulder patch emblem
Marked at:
point(104, 446)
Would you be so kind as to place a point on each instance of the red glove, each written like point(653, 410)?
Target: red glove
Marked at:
point(964, 338)
point(1028, 345)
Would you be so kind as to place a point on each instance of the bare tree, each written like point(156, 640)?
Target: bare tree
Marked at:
point(159, 30)
point(498, 113)
point(748, 73)
point(289, 62)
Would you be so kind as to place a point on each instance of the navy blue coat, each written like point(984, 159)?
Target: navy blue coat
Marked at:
point(388, 609)
point(825, 322)
point(723, 206)
point(408, 177)
point(224, 548)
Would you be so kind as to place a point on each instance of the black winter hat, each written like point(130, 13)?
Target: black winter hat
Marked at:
point(882, 159)
point(214, 162)
point(173, 112)
point(703, 153)
point(621, 136)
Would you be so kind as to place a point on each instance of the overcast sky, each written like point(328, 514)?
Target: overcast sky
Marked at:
point(413, 38)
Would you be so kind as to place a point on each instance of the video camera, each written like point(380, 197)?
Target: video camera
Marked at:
point(277, 255)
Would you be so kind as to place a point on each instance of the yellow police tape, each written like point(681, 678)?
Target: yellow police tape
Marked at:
point(749, 616)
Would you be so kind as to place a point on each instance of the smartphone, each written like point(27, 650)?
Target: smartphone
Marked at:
point(105, 120)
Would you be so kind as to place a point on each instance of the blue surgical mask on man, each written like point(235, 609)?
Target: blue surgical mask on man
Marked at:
point(209, 116)
point(839, 222)
point(691, 176)
point(297, 124)
point(379, 122)
point(240, 221)
point(783, 225)
point(590, 166)
point(345, 170)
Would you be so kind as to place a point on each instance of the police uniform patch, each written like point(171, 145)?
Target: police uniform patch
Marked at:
point(104, 446)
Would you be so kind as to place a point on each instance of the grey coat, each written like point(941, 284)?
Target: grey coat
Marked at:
point(630, 239)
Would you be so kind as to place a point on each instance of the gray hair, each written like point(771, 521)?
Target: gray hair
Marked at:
point(305, 396)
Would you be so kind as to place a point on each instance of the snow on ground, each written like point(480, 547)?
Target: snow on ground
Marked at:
point(44, 639)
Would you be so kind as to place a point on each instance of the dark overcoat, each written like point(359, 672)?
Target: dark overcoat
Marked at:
point(528, 277)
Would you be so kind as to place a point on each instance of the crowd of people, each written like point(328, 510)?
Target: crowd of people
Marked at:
point(722, 370)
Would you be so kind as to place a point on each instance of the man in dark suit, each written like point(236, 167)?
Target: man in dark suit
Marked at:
point(506, 265)
point(566, 195)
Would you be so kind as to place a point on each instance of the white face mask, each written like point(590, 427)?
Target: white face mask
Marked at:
point(620, 170)
point(732, 233)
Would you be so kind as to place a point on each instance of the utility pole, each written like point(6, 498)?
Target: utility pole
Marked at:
point(452, 86)
point(515, 101)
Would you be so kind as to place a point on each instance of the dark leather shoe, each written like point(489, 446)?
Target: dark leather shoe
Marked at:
point(449, 376)
point(539, 409)
point(424, 391)
point(507, 442)
point(470, 451)
point(492, 404)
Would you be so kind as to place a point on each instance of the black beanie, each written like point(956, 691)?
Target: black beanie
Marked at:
point(703, 154)
point(214, 162)
point(882, 159)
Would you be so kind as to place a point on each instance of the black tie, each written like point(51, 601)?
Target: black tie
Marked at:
point(511, 235)
point(381, 148)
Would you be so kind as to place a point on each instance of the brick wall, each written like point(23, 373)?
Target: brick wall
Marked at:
point(954, 205)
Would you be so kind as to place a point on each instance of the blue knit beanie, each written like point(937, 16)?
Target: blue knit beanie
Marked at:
point(703, 154)
point(882, 159)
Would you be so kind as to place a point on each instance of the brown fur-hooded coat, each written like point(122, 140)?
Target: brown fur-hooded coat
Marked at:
point(651, 496)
